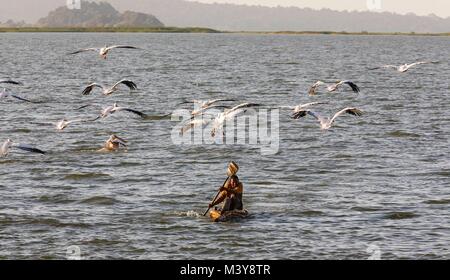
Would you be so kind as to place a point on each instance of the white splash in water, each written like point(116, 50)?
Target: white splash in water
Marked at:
point(190, 213)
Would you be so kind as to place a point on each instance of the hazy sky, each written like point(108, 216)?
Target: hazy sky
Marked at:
point(420, 7)
point(32, 10)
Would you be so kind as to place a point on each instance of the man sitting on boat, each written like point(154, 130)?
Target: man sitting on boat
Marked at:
point(231, 192)
point(230, 195)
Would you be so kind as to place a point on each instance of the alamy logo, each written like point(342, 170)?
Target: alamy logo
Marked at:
point(73, 253)
point(374, 251)
point(73, 4)
point(374, 5)
point(248, 127)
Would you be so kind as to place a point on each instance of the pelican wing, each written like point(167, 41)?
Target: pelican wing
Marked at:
point(304, 112)
point(84, 106)
point(84, 50)
point(387, 66)
point(233, 113)
point(140, 114)
point(78, 120)
point(315, 115)
point(186, 102)
point(396, 67)
point(414, 64)
point(121, 47)
point(203, 111)
point(90, 87)
point(349, 110)
point(299, 114)
point(421, 62)
point(96, 118)
point(130, 84)
point(28, 148)
point(8, 81)
point(310, 104)
point(242, 106)
point(354, 87)
point(22, 99)
point(88, 105)
point(65, 123)
point(284, 107)
point(214, 101)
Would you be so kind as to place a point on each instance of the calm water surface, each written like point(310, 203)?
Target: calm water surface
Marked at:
point(381, 181)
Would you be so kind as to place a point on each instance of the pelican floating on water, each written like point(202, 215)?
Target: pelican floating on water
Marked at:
point(5, 93)
point(103, 52)
point(109, 90)
point(326, 123)
point(333, 87)
point(9, 144)
point(114, 143)
point(229, 114)
point(405, 67)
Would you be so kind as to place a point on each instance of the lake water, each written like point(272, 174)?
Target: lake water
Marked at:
point(375, 186)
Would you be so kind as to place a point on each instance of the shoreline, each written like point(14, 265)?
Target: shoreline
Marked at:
point(107, 30)
point(197, 30)
point(342, 33)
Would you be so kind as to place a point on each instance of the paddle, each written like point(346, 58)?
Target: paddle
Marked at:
point(209, 208)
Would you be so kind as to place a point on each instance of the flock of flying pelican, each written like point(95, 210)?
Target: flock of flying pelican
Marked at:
point(113, 143)
point(200, 116)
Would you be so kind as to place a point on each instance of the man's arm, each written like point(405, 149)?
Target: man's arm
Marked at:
point(238, 190)
point(222, 196)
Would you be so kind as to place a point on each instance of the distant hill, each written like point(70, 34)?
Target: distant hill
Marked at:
point(259, 18)
point(11, 23)
point(100, 14)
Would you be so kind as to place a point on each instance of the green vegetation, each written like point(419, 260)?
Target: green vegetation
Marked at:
point(199, 30)
point(343, 33)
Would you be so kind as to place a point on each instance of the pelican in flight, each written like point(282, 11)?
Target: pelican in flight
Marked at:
point(5, 93)
point(115, 108)
point(61, 125)
point(103, 52)
point(300, 107)
point(9, 81)
point(333, 87)
point(230, 114)
point(201, 117)
point(114, 143)
point(326, 123)
point(9, 144)
point(405, 67)
point(109, 90)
